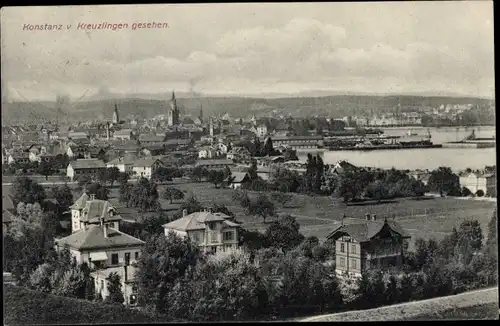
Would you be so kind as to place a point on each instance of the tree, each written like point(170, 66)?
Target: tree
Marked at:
point(63, 195)
point(284, 233)
point(112, 174)
point(281, 198)
point(83, 180)
point(45, 169)
point(191, 204)
point(290, 155)
point(163, 261)
point(31, 213)
point(144, 196)
point(252, 171)
point(162, 174)
point(444, 181)
point(172, 194)
point(377, 190)
point(480, 193)
point(115, 294)
point(72, 283)
point(198, 173)
point(470, 240)
point(123, 178)
point(216, 208)
point(216, 177)
point(242, 198)
point(27, 191)
point(371, 287)
point(262, 207)
point(268, 149)
point(100, 191)
point(125, 192)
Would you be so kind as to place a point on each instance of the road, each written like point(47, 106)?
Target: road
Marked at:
point(415, 308)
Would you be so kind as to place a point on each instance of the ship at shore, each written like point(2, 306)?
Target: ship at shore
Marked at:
point(370, 142)
point(471, 141)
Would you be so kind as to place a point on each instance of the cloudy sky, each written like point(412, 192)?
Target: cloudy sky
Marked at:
point(401, 47)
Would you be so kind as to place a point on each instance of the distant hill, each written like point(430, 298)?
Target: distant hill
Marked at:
point(27, 307)
point(334, 106)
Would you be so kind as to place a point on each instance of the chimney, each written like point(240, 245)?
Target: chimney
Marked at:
point(374, 217)
point(184, 212)
point(125, 276)
point(92, 196)
point(102, 221)
point(368, 217)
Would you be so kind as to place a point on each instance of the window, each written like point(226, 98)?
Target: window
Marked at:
point(127, 258)
point(136, 255)
point(102, 284)
point(353, 264)
point(353, 248)
point(114, 259)
point(342, 247)
point(228, 236)
point(342, 262)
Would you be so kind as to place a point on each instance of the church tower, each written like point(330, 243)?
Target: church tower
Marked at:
point(173, 114)
point(211, 127)
point(116, 117)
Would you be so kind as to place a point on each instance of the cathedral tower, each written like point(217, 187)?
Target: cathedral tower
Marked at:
point(173, 114)
point(116, 117)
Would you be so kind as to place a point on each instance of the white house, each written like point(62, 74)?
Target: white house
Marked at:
point(222, 148)
point(87, 167)
point(211, 231)
point(124, 134)
point(475, 181)
point(145, 167)
point(87, 210)
point(208, 152)
point(261, 130)
point(127, 278)
point(106, 250)
point(123, 164)
point(238, 178)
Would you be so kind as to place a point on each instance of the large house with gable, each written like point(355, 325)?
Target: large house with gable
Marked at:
point(97, 241)
point(87, 211)
point(213, 232)
point(84, 167)
point(362, 244)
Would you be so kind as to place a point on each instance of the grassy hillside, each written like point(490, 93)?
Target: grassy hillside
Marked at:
point(336, 106)
point(23, 306)
point(480, 304)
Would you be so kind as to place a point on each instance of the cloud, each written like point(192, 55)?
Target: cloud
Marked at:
point(344, 47)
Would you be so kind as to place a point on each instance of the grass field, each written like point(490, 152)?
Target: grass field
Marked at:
point(25, 307)
point(422, 218)
point(425, 218)
point(479, 304)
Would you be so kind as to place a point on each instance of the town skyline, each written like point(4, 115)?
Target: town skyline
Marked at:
point(292, 49)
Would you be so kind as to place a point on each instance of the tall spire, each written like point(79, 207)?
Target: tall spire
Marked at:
point(201, 113)
point(116, 117)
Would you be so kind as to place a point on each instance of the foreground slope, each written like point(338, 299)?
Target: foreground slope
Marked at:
point(479, 304)
point(23, 306)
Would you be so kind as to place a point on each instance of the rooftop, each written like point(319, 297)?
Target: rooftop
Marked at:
point(93, 238)
point(87, 164)
point(363, 230)
point(195, 221)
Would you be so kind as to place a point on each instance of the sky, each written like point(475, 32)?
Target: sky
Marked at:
point(238, 49)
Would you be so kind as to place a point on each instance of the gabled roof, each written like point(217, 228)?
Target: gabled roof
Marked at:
point(195, 221)
point(87, 164)
point(146, 162)
point(238, 176)
point(363, 230)
point(94, 210)
point(93, 238)
point(214, 162)
point(123, 132)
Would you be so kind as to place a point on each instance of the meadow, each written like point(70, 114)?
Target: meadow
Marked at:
point(428, 217)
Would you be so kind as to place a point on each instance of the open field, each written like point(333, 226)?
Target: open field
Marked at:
point(422, 218)
point(427, 217)
point(479, 304)
point(24, 307)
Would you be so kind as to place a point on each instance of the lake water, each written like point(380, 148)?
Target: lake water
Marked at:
point(456, 158)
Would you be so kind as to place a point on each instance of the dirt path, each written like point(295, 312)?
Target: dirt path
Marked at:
point(415, 308)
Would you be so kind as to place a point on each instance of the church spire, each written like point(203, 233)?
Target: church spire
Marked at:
point(201, 113)
point(116, 117)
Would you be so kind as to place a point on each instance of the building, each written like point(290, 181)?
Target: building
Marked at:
point(84, 167)
point(237, 179)
point(364, 244)
point(261, 131)
point(87, 211)
point(144, 168)
point(215, 164)
point(208, 152)
point(123, 164)
point(127, 277)
point(341, 166)
point(213, 232)
point(475, 181)
point(106, 250)
point(173, 114)
point(18, 157)
point(116, 117)
point(288, 140)
point(124, 134)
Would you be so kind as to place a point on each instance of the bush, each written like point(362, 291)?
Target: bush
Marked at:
point(24, 307)
point(480, 193)
point(466, 192)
